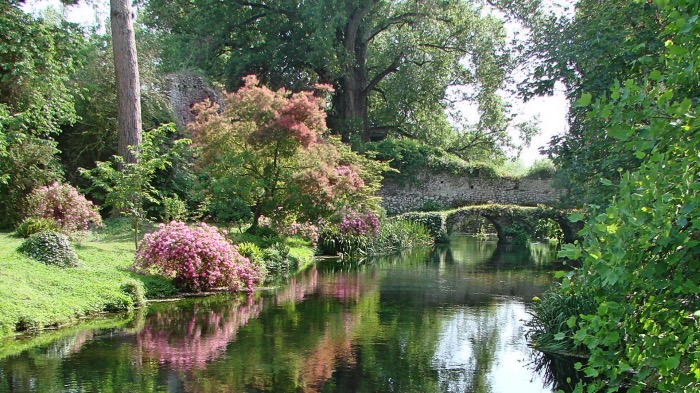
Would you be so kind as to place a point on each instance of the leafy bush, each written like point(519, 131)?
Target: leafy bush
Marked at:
point(32, 225)
point(255, 255)
point(333, 241)
point(174, 208)
point(277, 259)
point(51, 248)
point(136, 292)
point(541, 169)
point(409, 156)
point(199, 258)
point(64, 204)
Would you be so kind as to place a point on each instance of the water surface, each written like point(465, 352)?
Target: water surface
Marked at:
point(448, 319)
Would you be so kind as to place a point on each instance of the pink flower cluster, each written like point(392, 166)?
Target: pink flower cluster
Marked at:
point(199, 258)
point(354, 223)
point(65, 205)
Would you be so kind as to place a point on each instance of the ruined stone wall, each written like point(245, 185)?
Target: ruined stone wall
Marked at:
point(449, 191)
point(186, 90)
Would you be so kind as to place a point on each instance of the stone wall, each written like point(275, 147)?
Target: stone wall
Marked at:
point(186, 90)
point(449, 191)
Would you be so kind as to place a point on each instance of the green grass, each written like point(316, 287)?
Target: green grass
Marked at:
point(36, 296)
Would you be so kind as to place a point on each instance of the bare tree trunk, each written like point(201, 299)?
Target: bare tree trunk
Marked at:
point(127, 76)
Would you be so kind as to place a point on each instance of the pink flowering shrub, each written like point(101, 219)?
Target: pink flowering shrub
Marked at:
point(199, 258)
point(354, 223)
point(65, 205)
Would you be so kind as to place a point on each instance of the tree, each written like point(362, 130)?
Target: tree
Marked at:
point(601, 43)
point(37, 57)
point(391, 63)
point(268, 149)
point(640, 253)
point(126, 72)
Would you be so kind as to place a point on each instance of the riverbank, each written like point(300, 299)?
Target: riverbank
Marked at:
point(36, 296)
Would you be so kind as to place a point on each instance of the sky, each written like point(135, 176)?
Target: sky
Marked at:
point(550, 110)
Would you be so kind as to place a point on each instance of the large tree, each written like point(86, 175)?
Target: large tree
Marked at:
point(391, 62)
point(601, 42)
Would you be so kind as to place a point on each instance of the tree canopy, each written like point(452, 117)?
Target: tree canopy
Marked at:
point(391, 63)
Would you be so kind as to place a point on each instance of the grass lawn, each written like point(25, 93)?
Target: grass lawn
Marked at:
point(35, 296)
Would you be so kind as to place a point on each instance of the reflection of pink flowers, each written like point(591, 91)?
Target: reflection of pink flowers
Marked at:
point(345, 287)
point(187, 340)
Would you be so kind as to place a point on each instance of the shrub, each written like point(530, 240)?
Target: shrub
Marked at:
point(199, 258)
point(541, 169)
point(254, 254)
point(65, 205)
point(435, 222)
point(33, 225)
point(174, 208)
point(277, 259)
point(135, 290)
point(50, 248)
point(354, 223)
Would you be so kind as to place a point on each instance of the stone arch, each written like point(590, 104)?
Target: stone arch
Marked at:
point(504, 216)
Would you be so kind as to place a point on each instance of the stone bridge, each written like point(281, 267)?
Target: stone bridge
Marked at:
point(506, 220)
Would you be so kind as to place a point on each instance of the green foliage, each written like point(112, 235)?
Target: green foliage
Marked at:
point(129, 186)
point(397, 235)
point(399, 70)
point(37, 58)
point(174, 209)
point(604, 42)
point(277, 259)
point(28, 163)
point(93, 136)
point(640, 253)
point(435, 222)
point(409, 157)
point(136, 291)
point(541, 169)
point(51, 248)
point(555, 319)
point(33, 225)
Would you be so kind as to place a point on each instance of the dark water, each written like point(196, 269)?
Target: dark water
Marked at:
point(442, 320)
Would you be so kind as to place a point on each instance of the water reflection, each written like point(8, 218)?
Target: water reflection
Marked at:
point(442, 320)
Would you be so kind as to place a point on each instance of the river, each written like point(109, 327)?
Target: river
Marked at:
point(446, 319)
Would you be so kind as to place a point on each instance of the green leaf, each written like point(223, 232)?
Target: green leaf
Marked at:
point(584, 101)
point(571, 322)
point(575, 217)
point(559, 336)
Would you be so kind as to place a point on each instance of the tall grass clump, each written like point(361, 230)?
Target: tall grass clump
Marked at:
point(555, 318)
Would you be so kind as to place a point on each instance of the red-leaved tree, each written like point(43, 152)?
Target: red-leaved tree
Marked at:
point(270, 150)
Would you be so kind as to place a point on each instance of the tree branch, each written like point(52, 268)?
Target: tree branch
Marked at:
point(393, 67)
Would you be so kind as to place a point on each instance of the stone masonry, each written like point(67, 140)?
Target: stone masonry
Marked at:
point(451, 191)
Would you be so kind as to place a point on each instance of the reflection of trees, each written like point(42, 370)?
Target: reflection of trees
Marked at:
point(557, 371)
point(187, 338)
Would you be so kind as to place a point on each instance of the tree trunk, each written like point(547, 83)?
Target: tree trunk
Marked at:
point(127, 76)
point(352, 97)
